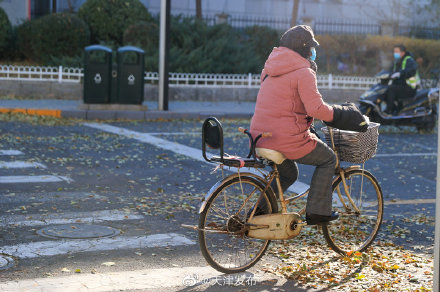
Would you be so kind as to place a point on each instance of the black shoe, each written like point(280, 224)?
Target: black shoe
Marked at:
point(315, 219)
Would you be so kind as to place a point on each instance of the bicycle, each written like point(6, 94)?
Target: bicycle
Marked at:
point(239, 216)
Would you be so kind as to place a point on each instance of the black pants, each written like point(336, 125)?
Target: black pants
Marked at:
point(320, 197)
point(394, 96)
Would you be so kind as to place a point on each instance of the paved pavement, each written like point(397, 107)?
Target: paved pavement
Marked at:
point(177, 109)
point(145, 179)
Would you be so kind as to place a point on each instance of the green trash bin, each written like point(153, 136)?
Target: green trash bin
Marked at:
point(97, 74)
point(130, 75)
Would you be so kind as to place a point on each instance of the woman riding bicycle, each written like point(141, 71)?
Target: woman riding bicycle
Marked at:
point(287, 103)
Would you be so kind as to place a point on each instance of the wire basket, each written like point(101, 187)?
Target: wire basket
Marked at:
point(354, 147)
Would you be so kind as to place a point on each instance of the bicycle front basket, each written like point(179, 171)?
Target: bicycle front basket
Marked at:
point(354, 147)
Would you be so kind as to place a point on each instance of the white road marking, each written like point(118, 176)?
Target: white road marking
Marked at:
point(116, 281)
point(66, 218)
point(405, 154)
point(33, 179)
point(58, 247)
point(194, 153)
point(21, 164)
point(186, 278)
point(11, 152)
point(174, 134)
point(410, 202)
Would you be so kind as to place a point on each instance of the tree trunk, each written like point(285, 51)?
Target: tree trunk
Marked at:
point(199, 9)
point(294, 13)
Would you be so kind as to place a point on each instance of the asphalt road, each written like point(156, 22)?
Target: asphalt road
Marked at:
point(139, 182)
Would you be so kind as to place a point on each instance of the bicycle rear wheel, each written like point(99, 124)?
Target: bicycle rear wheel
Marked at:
point(222, 230)
point(359, 221)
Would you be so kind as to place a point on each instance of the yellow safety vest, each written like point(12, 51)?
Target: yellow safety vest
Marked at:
point(412, 81)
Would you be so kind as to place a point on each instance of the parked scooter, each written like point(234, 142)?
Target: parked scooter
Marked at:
point(419, 111)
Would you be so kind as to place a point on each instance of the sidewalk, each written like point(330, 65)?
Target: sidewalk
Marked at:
point(177, 109)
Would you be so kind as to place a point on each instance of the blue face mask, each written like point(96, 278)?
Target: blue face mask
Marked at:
point(313, 56)
point(396, 56)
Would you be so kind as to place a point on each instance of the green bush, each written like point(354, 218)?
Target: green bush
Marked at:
point(145, 35)
point(5, 31)
point(262, 39)
point(53, 36)
point(197, 47)
point(24, 40)
point(364, 54)
point(108, 19)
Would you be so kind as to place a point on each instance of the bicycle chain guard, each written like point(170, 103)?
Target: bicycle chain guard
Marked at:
point(275, 226)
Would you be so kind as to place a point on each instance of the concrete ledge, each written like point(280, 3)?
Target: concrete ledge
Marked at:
point(130, 115)
point(113, 107)
point(74, 91)
point(76, 114)
point(101, 115)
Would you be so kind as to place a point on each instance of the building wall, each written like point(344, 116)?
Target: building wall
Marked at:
point(372, 11)
point(17, 10)
point(376, 11)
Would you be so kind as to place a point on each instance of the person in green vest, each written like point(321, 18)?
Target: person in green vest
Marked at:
point(405, 79)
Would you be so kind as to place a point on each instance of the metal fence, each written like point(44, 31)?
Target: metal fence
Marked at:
point(39, 73)
point(335, 26)
point(322, 26)
point(61, 74)
point(242, 21)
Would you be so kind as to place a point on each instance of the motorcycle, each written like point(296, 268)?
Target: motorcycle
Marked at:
point(419, 111)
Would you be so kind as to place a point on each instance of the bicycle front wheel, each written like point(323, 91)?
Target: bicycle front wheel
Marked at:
point(360, 206)
point(222, 229)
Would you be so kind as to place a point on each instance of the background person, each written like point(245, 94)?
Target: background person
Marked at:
point(405, 79)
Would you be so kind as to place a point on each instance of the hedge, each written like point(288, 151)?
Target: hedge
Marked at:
point(198, 47)
point(108, 19)
point(364, 54)
point(5, 32)
point(53, 36)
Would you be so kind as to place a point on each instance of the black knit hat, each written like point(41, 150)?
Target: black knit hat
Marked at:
point(300, 39)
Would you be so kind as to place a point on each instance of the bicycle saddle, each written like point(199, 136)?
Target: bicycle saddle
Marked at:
point(271, 155)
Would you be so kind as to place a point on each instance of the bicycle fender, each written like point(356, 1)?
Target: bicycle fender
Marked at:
point(220, 182)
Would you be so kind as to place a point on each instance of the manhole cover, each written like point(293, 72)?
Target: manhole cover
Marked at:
point(78, 231)
point(6, 262)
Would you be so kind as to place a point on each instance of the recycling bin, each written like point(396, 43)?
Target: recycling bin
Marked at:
point(97, 74)
point(130, 75)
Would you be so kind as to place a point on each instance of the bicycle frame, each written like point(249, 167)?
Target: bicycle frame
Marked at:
point(274, 174)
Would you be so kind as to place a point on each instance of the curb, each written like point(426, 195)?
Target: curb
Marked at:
point(38, 112)
point(124, 114)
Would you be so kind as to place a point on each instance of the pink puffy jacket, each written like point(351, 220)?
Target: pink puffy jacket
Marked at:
point(287, 99)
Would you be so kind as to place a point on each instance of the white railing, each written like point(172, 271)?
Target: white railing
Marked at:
point(63, 74)
point(38, 73)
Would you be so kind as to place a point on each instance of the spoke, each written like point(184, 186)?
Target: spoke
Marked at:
point(247, 199)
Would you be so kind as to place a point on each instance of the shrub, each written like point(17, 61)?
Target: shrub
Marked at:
point(262, 39)
point(24, 39)
point(197, 47)
point(145, 35)
point(55, 35)
point(108, 19)
point(5, 31)
point(364, 54)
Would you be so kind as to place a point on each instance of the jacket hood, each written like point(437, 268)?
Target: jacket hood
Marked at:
point(283, 60)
